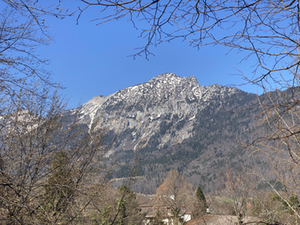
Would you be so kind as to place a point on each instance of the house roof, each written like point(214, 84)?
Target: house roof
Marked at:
point(146, 204)
point(220, 219)
point(147, 207)
point(144, 200)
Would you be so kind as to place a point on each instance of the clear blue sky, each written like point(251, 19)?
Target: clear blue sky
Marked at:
point(92, 60)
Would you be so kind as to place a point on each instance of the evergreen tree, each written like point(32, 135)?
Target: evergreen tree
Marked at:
point(59, 187)
point(201, 199)
point(120, 208)
point(200, 195)
point(127, 204)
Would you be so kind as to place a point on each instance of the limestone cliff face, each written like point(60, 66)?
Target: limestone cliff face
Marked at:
point(173, 122)
point(167, 104)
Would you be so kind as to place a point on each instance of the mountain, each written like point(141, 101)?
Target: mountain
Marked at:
point(173, 122)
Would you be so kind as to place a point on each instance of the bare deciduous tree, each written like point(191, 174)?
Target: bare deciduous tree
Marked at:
point(280, 145)
point(174, 194)
point(239, 188)
point(47, 157)
point(267, 30)
point(39, 146)
point(22, 29)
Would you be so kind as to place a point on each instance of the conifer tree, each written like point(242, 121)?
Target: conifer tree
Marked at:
point(199, 204)
point(201, 197)
point(59, 187)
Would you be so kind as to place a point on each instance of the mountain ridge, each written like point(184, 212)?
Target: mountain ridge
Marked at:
point(145, 102)
point(173, 122)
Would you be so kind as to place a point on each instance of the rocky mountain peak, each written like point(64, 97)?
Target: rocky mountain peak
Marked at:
point(167, 104)
point(171, 78)
point(164, 84)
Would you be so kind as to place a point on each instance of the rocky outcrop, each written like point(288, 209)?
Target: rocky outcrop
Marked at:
point(167, 104)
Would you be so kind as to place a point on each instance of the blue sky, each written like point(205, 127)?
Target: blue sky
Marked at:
point(92, 60)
